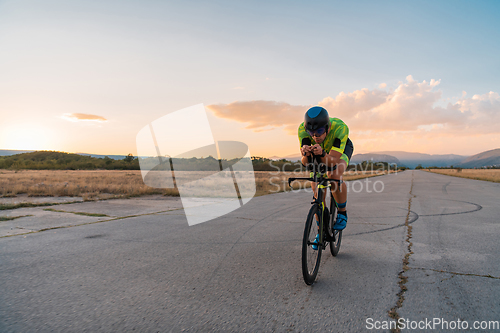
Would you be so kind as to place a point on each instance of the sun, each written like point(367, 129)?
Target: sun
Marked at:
point(26, 137)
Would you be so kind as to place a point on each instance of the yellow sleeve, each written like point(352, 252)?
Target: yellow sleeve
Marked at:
point(340, 136)
point(302, 134)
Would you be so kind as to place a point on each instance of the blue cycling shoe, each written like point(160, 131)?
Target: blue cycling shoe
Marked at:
point(315, 243)
point(341, 221)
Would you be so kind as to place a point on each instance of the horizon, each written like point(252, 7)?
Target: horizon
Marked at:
point(82, 76)
point(269, 157)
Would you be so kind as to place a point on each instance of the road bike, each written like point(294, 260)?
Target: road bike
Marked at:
point(312, 246)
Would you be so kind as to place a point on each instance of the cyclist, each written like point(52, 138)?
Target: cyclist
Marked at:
point(332, 149)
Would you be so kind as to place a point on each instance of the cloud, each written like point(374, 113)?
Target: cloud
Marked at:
point(262, 115)
point(411, 107)
point(483, 113)
point(83, 117)
point(406, 108)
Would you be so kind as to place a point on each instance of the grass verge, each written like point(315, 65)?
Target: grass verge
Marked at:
point(25, 205)
point(10, 218)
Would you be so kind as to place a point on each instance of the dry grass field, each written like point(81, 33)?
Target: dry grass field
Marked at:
point(87, 184)
point(105, 184)
point(492, 175)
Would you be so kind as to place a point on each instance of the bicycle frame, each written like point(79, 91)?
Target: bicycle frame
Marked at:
point(323, 183)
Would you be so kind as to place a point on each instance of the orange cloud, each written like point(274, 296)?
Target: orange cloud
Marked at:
point(262, 115)
point(83, 117)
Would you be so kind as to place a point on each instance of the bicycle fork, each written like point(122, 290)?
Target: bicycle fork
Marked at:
point(324, 213)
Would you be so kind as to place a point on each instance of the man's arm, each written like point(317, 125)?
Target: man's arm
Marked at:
point(305, 145)
point(306, 153)
point(330, 159)
point(340, 134)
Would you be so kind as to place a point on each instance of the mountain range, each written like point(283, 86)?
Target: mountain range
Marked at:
point(486, 158)
point(375, 157)
point(411, 160)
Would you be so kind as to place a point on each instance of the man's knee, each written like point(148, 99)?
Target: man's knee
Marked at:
point(339, 171)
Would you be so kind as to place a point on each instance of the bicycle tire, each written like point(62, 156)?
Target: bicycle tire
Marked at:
point(335, 235)
point(310, 258)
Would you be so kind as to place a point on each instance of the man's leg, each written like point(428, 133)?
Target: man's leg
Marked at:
point(314, 188)
point(340, 194)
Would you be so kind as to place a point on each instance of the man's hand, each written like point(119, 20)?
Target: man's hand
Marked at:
point(317, 150)
point(306, 150)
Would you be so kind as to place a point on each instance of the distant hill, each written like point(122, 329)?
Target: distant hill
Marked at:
point(358, 158)
point(484, 159)
point(54, 160)
point(114, 157)
point(411, 160)
point(8, 152)
point(292, 158)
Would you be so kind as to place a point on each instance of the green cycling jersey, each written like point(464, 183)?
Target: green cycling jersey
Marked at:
point(335, 140)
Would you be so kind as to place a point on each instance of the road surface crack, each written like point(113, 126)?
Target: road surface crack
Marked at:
point(403, 279)
point(457, 273)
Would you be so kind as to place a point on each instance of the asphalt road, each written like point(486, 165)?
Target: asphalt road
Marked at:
point(242, 272)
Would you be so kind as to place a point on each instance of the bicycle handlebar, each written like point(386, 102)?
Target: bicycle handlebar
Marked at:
point(320, 179)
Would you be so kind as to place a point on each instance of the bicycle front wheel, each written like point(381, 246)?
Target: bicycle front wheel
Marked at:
point(311, 250)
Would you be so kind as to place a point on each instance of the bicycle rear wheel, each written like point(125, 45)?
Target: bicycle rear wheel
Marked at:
point(310, 257)
point(335, 235)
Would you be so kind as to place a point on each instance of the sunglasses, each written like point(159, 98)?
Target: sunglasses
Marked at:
point(319, 132)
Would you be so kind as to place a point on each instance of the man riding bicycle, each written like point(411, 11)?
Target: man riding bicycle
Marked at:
point(332, 150)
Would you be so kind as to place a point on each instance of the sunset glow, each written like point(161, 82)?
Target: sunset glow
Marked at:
point(87, 77)
point(27, 136)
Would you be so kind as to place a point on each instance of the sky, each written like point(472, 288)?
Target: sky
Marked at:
point(87, 76)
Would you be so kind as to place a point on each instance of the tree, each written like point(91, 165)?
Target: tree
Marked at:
point(129, 158)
